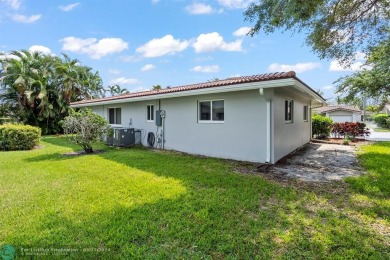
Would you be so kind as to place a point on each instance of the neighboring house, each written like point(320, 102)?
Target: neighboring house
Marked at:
point(259, 118)
point(386, 109)
point(340, 113)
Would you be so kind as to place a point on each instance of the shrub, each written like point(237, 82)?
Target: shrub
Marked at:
point(382, 120)
point(321, 126)
point(85, 128)
point(346, 141)
point(19, 137)
point(350, 130)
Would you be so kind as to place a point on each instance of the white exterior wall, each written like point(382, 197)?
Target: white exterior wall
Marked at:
point(289, 136)
point(242, 136)
point(344, 113)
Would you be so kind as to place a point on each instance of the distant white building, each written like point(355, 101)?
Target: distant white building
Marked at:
point(340, 113)
point(386, 109)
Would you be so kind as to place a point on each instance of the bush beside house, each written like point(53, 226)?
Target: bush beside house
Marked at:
point(350, 130)
point(382, 120)
point(85, 128)
point(322, 126)
point(19, 137)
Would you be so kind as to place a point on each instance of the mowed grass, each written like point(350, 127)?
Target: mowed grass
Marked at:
point(143, 204)
point(381, 129)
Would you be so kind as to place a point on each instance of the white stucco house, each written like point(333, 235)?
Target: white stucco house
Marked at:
point(386, 109)
point(259, 118)
point(341, 113)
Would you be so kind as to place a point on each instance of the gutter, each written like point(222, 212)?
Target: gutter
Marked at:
point(229, 88)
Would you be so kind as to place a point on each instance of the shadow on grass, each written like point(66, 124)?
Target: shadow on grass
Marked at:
point(222, 214)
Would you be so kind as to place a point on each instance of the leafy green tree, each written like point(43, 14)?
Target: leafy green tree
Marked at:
point(39, 87)
point(85, 128)
point(156, 87)
point(335, 29)
point(374, 82)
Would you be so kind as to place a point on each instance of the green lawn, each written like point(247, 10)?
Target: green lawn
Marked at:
point(378, 129)
point(137, 203)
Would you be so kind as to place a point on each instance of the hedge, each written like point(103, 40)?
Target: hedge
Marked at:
point(382, 120)
point(321, 126)
point(350, 130)
point(19, 137)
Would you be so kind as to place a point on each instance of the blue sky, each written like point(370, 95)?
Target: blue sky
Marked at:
point(140, 43)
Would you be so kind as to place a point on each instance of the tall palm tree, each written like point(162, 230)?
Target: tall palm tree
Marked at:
point(42, 86)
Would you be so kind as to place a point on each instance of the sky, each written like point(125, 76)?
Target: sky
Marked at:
point(140, 43)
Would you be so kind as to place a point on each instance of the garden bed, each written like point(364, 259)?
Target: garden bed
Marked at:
point(358, 141)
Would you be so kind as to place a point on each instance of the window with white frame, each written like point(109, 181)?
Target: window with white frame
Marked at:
point(114, 116)
point(305, 113)
point(150, 113)
point(211, 111)
point(288, 111)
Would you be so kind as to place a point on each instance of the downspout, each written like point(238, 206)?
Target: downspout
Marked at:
point(268, 160)
point(268, 126)
point(162, 124)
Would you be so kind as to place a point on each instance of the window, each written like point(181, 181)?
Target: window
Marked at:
point(288, 111)
point(212, 111)
point(150, 113)
point(305, 112)
point(114, 116)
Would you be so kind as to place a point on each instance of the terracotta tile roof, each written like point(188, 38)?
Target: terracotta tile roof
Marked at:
point(336, 107)
point(211, 84)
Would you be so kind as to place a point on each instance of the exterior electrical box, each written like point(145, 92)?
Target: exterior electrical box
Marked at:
point(158, 118)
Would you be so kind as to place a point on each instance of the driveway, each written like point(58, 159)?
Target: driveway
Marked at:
point(319, 163)
point(378, 136)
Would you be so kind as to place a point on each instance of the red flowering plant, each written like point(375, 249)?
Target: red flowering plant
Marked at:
point(350, 130)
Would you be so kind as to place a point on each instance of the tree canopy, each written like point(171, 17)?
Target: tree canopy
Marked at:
point(373, 82)
point(335, 29)
point(40, 87)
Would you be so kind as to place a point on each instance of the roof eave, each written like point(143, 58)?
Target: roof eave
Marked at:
point(211, 90)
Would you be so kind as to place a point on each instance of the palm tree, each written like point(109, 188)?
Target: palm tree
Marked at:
point(41, 87)
point(116, 90)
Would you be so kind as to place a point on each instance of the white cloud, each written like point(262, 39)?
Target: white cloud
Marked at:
point(92, 47)
point(299, 67)
point(26, 19)
point(358, 65)
point(14, 4)
point(243, 31)
point(235, 4)
point(213, 41)
point(155, 1)
point(114, 71)
point(327, 87)
point(124, 81)
point(148, 67)
point(139, 89)
point(70, 7)
point(40, 48)
point(162, 46)
point(131, 58)
point(206, 69)
point(235, 75)
point(199, 8)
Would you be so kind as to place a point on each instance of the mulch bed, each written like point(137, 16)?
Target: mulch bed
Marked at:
point(340, 141)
